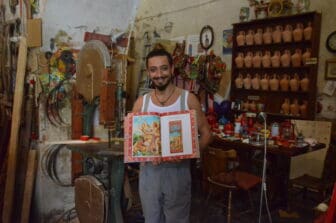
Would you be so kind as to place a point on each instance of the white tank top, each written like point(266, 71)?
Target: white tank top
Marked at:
point(178, 105)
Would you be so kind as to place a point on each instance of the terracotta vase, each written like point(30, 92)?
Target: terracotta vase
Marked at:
point(249, 38)
point(294, 83)
point(239, 81)
point(264, 83)
point(256, 60)
point(306, 55)
point(258, 37)
point(248, 59)
point(267, 35)
point(246, 105)
point(285, 58)
point(239, 60)
point(266, 59)
point(275, 59)
point(247, 82)
point(274, 83)
point(240, 38)
point(303, 108)
point(255, 82)
point(294, 107)
point(296, 58)
point(287, 34)
point(253, 106)
point(284, 83)
point(298, 32)
point(276, 34)
point(307, 32)
point(285, 106)
point(304, 84)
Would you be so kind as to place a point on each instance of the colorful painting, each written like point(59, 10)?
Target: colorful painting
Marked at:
point(175, 136)
point(227, 41)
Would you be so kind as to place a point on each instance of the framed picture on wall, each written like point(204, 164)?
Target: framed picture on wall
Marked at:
point(227, 41)
point(330, 69)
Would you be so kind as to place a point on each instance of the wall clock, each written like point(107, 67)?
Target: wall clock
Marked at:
point(206, 37)
point(331, 42)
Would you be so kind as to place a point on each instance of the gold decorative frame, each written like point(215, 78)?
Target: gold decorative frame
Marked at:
point(330, 69)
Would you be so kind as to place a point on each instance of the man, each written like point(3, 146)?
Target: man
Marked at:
point(165, 187)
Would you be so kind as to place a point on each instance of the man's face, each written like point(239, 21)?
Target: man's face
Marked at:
point(159, 71)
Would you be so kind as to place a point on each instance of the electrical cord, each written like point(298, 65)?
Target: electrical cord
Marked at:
point(263, 192)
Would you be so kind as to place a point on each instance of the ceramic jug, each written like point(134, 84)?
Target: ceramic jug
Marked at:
point(303, 108)
point(285, 58)
point(246, 105)
point(284, 83)
point(248, 59)
point(253, 106)
point(264, 83)
point(294, 107)
point(256, 60)
point(255, 82)
point(266, 59)
point(287, 34)
point(298, 32)
point(274, 83)
point(285, 106)
point(267, 35)
point(240, 38)
point(294, 83)
point(304, 83)
point(307, 32)
point(249, 38)
point(247, 82)
point(306, 55)
point(239, 81)
point(239, 60)
point(276, 34)
point(296, 58)
point(258, 37)
point(275, 59)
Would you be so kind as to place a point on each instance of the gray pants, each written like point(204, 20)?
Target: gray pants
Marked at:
point(165, 192)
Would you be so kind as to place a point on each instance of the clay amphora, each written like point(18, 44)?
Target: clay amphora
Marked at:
point(294, 107)
point(276, 34)
point(303, 108)
point(240, 38)
point(285, 58)
point(294, 83)
point(249, 38)
point(284, 83)
point(306, 55)
point(296, 58)
point(285, 106)
point(275, 59)
point(304, 83)
point(264, 83)
point(239, 60)
point(266, 59)
point(307, 32)
point(258, 37)
point(253, 106)
point(255, 82)
point(239, 81)
point(248, 59)
point(267, 35)
point(256, 60)
point(298, 32)
point(274, 83)
point(247, 81)
point(287, 34)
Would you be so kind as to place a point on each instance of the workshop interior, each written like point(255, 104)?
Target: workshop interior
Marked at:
point(263, 71)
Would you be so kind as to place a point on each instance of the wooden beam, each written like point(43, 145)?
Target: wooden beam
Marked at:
point(29, 185)
point(14, 136)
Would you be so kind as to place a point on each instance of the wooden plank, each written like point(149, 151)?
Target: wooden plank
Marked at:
point(14, 136)
point(29, 185)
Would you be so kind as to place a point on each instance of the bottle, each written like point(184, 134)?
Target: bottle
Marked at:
point(266, 59)
point(248, 59)
point(287, 34)
point(276, 35)
point(239, 60)
point(285, 58)
point(294, 83)
point(240, 38)
point(285, 106)
point(239, 81)
point(264, 83)
point(258, 37)
point(255, 82)
point(294, 107)
point(247, 81)
point(296, 58)
point(304, 83)
point(307, 32)
point(249, 38)
point(256, 60)
point(275, 59)
point(298, 32)
point(267, 35)
point(284, 83)
point(274, 83)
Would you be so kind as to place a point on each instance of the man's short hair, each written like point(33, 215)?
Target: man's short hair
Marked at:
point(159, 52)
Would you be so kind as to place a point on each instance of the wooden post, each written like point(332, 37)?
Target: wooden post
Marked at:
point(13, 140)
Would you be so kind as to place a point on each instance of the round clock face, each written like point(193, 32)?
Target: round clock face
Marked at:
point(331, 42)
point(206, 37)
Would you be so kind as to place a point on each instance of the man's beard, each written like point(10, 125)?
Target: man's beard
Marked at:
point(162, 87)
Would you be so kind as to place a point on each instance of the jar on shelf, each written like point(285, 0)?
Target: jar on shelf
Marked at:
point(239, 60)
point(267, 35)
point(287, 34)
point(249, 38)
point(307, 32)
point(247, 81)
point(240, 38)
point(274, 83)
point(296, 58)
point(303, 108)
point(285, 58)
point(276, 34)
point(304, 83)
point(248, 59)
point(294, 107)
point(264, 82)
point(266, 59)
point(239, 81)
point(284, 83)
point(275, 59)
point(285, 106)
point(255, 82)
point(298, 32)
point(258, 37)
point(306, 55)
point(256, 60)
point(294, 82)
